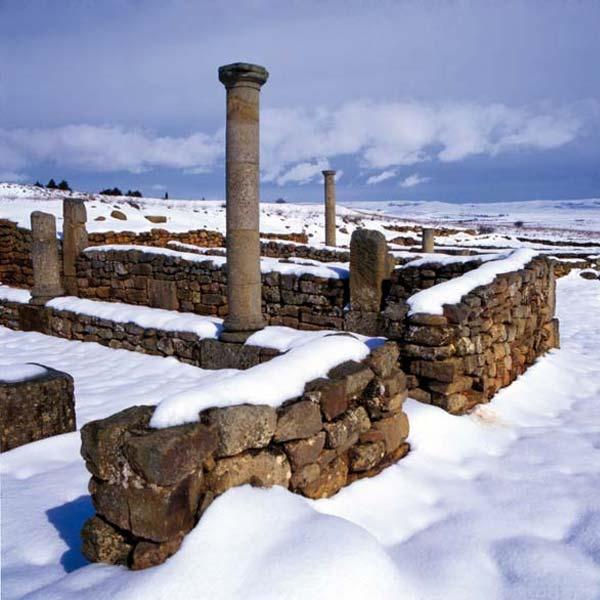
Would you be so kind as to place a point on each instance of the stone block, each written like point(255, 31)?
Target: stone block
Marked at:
point(155, 513)
point(298, 420)
point(264, 468)
point(340, 432)
point(383, 359)
point(242, 427)
point(303, 452)
point(331, 480)
point(394, 429)
point(35, 407)
point(366, 456)
point(163, 294)
point(165, 456)
point(102, 542)
point(355, 375)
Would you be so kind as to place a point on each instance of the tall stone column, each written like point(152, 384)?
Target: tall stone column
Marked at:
point(329, 207)
point(243, 82)
point(75, 240)
point(44, 256)
point(428, 240)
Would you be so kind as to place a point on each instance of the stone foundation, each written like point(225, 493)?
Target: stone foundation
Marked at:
point(150, 487)
point(483, 343)
point(36, 408)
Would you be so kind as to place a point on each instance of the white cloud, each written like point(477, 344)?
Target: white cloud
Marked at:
point(296, 143)
point(109, 148)
point(381, 176)
point(412, 180)
point(159, 186)
point(305, 172)
point(13, 177)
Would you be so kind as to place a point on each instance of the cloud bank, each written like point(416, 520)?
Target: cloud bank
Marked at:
point(298, 143)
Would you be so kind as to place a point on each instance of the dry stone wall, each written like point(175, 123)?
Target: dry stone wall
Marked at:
point(481, 344)
point(162, 281)
point(149, 487)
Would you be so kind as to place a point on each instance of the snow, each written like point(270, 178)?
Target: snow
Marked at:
point(13, 373)
point(144, 316)
point(288, 266)
point(431, 300)
point(450, 259)
point(273, 382)
point(14, 294)
point(498, 504)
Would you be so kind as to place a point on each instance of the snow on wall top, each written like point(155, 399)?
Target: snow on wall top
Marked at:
point(272, 383)
point(20, 372)
point(431, 301)
point(291, 266)
point(14, 294)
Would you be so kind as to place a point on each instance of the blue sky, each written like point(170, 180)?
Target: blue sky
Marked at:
point(440, 100)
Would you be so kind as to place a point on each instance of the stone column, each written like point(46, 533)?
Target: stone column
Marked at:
point(44, 256)
point(329, 207)
point(75, 240)
point(428, 240)
point(243, 82)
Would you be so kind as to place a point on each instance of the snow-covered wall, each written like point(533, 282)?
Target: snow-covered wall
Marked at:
point(480, 344)
point(150, 486)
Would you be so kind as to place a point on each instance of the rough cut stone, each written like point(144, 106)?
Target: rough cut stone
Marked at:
point(331, 480)
point(242, 427)
point(101, 542)
point(331, 395)
point(155, 513)
point(156, 218)
point(165, 456)
point(303, 452)
point(163, 294)
point(36, 408)
point(263, 469)
point(297, 421)
point(352, 424)
point(149, 554)
point(394, 429)
point(117, 214)
point(383, 359)
point(355, 375)
point(101, 440)
point(366, 456)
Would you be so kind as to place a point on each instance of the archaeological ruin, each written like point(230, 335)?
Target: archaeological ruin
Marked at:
point(450, 329)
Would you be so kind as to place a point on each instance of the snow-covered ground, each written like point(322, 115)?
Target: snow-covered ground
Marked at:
point(502, 503)
point(561, 220)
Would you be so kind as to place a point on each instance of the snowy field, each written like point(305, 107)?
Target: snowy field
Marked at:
point(499, 504)
point(502, 503)
point(577, 220)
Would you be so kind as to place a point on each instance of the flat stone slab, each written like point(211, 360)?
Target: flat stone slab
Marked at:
point(36, 402)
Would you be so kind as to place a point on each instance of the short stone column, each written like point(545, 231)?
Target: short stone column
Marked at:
point(243, 82)
point(329, 207)
point(428, 240)
point(370, 266)
point(75, 240)
point(44, 256)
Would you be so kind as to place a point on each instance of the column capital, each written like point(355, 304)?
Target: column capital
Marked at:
point(329, 173)
point(240, 73)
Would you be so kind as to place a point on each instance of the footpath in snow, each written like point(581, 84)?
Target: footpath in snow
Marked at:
point(499, 504)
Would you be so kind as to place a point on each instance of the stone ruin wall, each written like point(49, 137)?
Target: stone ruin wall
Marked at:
point(481, 344)
point(15, 247)
point(149, 487)
point(162, 281)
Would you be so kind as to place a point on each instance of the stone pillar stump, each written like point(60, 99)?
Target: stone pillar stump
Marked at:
point(243, 82)
point(44, 256)
point(329, 208)
point(75, 240)
point(428, 240)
